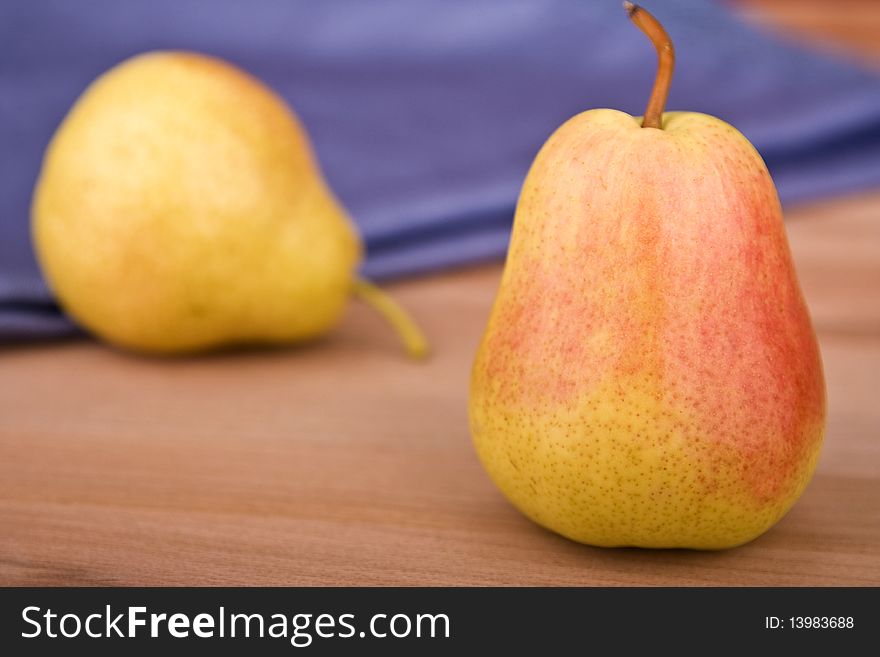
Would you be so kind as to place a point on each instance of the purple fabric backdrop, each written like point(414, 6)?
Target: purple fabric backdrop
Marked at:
point(426, 113)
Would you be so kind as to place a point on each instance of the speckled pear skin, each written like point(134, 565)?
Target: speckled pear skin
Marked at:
point(649, 375)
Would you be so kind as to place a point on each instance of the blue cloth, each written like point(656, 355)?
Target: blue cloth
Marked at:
point(427, 113)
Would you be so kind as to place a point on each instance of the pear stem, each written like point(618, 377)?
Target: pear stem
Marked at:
point(666, 63)
point(410, 334)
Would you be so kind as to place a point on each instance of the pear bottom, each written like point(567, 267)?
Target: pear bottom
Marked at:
point(615, 468)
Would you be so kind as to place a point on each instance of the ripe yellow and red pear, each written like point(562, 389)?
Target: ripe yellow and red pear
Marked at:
point(180, 208)
point(649, 375)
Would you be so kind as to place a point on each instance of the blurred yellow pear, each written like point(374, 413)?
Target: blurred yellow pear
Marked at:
point(180, 208)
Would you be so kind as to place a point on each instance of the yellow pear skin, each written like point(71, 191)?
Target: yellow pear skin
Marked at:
point(649, 375)
point(180, 208)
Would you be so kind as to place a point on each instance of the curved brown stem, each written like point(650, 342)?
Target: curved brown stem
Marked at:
point(666, 62)
point(413, 339)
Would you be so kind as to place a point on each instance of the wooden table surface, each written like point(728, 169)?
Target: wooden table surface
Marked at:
point(342, 463)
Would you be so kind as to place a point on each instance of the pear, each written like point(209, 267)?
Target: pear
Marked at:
point(649, 375)
point(180, 208)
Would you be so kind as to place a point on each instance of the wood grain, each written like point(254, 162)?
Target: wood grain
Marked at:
point(847, 27)
point(343, 463)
